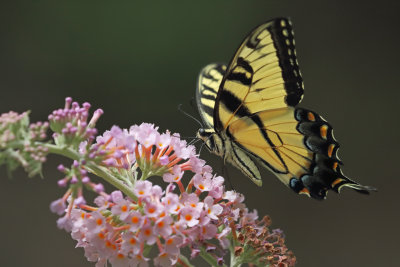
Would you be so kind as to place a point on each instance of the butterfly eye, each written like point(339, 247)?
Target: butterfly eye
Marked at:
point(202, 134)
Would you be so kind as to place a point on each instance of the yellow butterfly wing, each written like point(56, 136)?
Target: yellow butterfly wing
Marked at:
point(208, 84)
point(255, 108)
point(262, 75)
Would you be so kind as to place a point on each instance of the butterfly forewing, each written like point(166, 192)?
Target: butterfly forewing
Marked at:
point(263, 75)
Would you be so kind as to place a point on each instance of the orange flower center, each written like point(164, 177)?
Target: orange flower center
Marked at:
point(120, 256)
point(147, 232)
point(135, 219)
point(151, 210)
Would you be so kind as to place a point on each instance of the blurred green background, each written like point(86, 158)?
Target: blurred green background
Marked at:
point(139, 60)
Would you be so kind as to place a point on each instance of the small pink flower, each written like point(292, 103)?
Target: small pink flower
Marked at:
point(119, 259)
point(172, 244)
point(203, 182)
point(130, 243)
point(208, 231)
point(181, 149)
point(135, 220)
point(189, 216)
point(58, 206)
point(196, 164)
point(145, 133)
point(139, 260)
point(97, 222)
point(165, 260)
point(217, 188)
point(193, 201)
point(122, 209)
point(163, 226)
point(174, 176)
point(163, 140)
point(143, 189)
point(211, 209)
point(147, 234)
point(152, 209)
point(170, 202)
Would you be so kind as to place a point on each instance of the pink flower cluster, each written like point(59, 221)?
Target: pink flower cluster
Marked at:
point(143, 145)
point(70, 124)
point(119, 229)
point(198, 214)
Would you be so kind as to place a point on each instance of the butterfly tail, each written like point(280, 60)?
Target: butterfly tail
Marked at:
point(325, 173)
point(363, 189)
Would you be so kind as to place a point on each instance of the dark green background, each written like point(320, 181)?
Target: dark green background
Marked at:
point(138, 61)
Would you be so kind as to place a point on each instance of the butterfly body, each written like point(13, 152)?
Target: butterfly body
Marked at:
point(250, 112)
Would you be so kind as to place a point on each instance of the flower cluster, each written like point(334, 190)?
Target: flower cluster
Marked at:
point(258, 244)
point(121, 230)
point(192, 210)
point(70, 124)
point(19, 144)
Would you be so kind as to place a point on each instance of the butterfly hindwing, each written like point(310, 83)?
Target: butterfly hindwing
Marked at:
point(298, 146)
point(208, 84)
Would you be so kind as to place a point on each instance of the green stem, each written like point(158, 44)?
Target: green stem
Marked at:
point(209, 258)
point(185, 260)
point(235, 261)
point(92, 167)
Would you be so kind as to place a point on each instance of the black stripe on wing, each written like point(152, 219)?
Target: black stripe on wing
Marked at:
point(283, 36)
point(233, 104)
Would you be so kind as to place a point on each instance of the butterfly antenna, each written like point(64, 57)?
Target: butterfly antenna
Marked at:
point(194, 141)
point(190, 116)
point(201, 147)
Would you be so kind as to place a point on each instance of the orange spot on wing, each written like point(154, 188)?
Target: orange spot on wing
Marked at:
point(335, 164)
point(304, 191)
point(310, 116)
point(323, 131)
point(330, 150)
point(338, 180)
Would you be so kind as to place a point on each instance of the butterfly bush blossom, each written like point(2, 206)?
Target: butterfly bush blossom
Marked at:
point(190, 213)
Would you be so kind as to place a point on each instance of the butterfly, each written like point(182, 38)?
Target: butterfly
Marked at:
point(249, 108)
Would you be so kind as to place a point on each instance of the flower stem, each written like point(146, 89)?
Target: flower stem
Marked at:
point(185, 261)
point(92, 167)
point(209, 258)
point(99, 171)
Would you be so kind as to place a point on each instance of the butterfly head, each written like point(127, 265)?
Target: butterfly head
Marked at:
point(211, 140)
